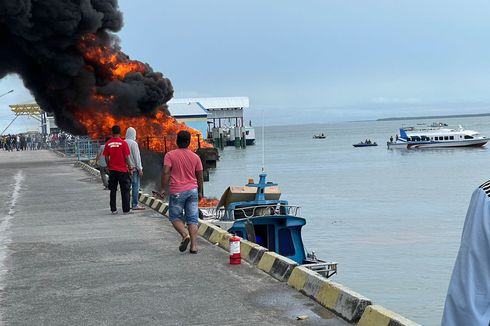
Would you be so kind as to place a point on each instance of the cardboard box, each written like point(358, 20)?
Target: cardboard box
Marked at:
point(235, 194)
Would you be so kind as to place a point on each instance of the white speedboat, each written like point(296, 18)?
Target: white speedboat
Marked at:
point(437, 137)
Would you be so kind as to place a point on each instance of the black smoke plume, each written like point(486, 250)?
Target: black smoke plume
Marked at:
point(40, 41)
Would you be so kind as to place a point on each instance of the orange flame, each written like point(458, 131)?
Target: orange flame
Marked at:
point(157, 131)
point(208, 202)
point(111, 63)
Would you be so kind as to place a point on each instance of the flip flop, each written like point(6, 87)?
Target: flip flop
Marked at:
point(193, 251)
point(183, 244)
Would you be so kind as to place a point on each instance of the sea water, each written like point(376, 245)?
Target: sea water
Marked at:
point(391, 218)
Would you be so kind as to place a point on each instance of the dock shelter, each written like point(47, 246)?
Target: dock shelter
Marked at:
point(193, 114)
point(222, 111)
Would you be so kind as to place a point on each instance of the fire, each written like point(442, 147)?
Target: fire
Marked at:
point(157, 131)
point(108, 62)
point(208, 202)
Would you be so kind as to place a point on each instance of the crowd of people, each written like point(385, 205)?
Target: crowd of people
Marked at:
point(22, 142)
point(34, 141)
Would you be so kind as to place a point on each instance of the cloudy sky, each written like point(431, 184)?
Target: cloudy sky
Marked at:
point(313, 61)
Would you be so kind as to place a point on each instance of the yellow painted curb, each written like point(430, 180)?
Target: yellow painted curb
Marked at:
point(217, 235)
point(373, 317)
point(328, 295)
point(267, 261)
point(225, 241)
point(245, 248)
point(376, 315)
point(202, 228)
point(298, 278)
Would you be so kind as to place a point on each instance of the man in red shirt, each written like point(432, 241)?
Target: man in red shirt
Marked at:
point(182, 176)
point(116, 152)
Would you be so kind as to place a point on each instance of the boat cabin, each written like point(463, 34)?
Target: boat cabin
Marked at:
point(256, 213)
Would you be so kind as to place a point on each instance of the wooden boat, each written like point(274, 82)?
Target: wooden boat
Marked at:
point(258, 215)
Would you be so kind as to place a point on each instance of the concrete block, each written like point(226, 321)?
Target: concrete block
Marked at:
point(202, 228)
point(298, 278)
point(375, 315)
point(143, 198)
point(327, 295)
point(163, 209)
point(337, 298)
point(251, 252)
point(209, 231)
point(150, 201)
point(216, 236)
point(277, 266)
point(225, 241)
point(350, 305)
point(155, 203)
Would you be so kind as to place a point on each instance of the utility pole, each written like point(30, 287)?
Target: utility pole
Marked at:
point(11, 91)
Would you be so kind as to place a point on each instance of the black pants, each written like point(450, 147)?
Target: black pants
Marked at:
point(124, 181)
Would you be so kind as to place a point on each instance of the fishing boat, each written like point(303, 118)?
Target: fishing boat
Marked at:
point(365, 144)
point(256, 213)
point(320, 136)
point(439, 136)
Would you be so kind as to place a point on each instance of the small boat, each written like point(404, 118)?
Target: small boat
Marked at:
point(365, 144)
point(255, 213)
point(437, 136)
point(321, 136)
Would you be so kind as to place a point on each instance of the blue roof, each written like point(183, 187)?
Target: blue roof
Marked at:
point(187, 110)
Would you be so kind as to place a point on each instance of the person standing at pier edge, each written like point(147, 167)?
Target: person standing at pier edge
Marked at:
point(116, 152)
point(137, 172)
point(102, 165)
point(468, 294)
point(182, 175)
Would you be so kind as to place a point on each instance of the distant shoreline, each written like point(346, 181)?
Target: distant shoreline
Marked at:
point(436, 117)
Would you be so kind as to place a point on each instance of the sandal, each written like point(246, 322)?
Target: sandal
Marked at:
point(184, 243)
point(193, 251)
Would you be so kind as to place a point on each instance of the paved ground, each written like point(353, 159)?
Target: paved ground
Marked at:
point(65, 260)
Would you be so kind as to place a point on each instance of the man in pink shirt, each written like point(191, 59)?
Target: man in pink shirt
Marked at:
point(182, 176)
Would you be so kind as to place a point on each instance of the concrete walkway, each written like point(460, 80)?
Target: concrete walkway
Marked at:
point(65, 260)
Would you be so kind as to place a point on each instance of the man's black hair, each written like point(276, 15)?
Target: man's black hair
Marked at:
point(116, 130)
point(183, 139)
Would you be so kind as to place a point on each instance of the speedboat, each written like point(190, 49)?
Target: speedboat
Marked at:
point(439, 136)
point(255, 213)
point(321, 136)
point(365, 144)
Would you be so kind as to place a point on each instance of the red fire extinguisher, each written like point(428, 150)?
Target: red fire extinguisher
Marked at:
point(235, 257)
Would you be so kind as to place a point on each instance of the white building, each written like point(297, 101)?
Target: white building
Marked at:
point(222, 111)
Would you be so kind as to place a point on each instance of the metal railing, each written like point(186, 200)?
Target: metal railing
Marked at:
point(83, 148)
point(166, 143)
point(250, 211)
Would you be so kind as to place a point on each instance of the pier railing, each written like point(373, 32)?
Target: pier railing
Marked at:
point(252, 211)
point(83, 148)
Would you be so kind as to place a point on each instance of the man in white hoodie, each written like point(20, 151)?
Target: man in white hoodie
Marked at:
point(137, 173)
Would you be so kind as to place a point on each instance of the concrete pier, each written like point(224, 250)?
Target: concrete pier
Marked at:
point(65, 260)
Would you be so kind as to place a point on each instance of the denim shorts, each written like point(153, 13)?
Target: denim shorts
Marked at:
point(183, 206)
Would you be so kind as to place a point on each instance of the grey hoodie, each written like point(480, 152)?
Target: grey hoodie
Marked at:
point(134, 157)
